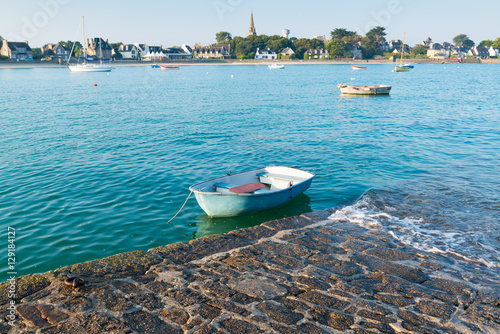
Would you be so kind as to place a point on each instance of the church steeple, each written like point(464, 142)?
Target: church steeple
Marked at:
point(251, 30)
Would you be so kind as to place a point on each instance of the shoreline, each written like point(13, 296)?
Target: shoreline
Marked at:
point(306, 273)
point(132, 63)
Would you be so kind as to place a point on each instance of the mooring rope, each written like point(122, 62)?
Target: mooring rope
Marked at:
point(182, 207)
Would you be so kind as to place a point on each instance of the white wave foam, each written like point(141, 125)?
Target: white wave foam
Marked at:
point(416, 232)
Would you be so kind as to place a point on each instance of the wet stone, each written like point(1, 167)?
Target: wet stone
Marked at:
point(239, 326)
point(317, 245)
point(390, 254)
point(217, 289)
point(452, 288)
point(126, 287)
point(77, 304)
point(411, 274)
point(228, 306)
point(287, 223)
point(286, 263)
point(309, 328)
point(311, 283)
point(146, 300)
point(32, 315)
point(208, 312)
point(335, 266)
point(333, 319)
point(280, 313)
point(214, 244)
point(159, 287)
point(380, 327)
point(323, 300)
point(415, 319)
point(113, 300)
point(374, 307)
point(438, 310)
point(258, 288)
point(176, 315)
point(144, 322)
point(375, 316)
point(395, 300)
point(97, 323)
point(51, 314)
point(284, 329)
point(283, 249)
point(253, 233)
point(187, 297)
point(207, 329)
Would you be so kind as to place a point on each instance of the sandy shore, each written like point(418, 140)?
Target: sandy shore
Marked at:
point(305, 274)
point(38, 64)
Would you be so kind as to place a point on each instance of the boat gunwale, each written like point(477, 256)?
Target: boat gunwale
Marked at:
point(215, 193)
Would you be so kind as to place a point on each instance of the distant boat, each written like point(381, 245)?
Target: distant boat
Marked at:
point(169, 67)
point(356, 68)
point(85, 66)
point(408, 65)
point(402, 68)
point(252, 191)
point(155, 66)
point(364, 90)
point(276, 66)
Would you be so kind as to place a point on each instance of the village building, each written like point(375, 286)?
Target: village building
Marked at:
point(213, 51)
point(480, 52)
point(318, 54)
point(129, 51)
point(494, 52)
point(56, 51)
point(266, 54)
point(251, 30)
point(98, 48)
point(16, 51)
point(286, 53)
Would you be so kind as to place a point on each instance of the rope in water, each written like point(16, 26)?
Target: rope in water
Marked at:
point(182, 207)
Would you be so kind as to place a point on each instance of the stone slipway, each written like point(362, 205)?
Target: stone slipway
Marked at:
point(304, 274)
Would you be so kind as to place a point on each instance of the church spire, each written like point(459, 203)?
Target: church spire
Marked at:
point(251, 30)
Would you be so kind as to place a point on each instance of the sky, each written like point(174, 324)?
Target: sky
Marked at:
point(173, 23)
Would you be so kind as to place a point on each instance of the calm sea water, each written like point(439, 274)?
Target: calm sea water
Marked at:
point(89, 171)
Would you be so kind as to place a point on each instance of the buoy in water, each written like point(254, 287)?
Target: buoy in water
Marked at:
point(95, 85)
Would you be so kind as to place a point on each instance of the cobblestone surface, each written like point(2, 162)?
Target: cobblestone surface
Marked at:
point(296, 275)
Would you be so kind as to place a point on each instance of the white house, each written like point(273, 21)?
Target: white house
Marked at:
point(441, 54)
point(318, 54)
point(266, 54)
point(287, 52)
point(494, 52)
point(129, 51)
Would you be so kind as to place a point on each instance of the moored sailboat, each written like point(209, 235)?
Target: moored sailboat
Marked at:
point(402, 68)
point(85, 66)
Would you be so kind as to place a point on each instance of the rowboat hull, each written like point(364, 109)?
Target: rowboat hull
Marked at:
point(401, 69)
point(276, 67)
point(357, 68)
point(364, 90)
point(163, 67)
point(282, 185)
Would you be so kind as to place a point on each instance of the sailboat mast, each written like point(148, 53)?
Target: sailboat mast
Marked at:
point(100, 49)
point(402, 49)
point(84, 41)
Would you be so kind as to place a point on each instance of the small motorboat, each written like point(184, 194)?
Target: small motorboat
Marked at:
point(252, 191)
point(155, 66)
point(356, 68)
point(364, 90)
point(169, 67)
point(408, 65)
point(276, 66)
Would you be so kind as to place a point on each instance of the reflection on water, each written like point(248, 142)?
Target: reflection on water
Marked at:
point(208, 226)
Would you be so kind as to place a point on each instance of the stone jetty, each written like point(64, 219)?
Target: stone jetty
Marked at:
point(305, 274)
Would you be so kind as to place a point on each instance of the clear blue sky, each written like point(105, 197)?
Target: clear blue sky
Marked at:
point(178, 22)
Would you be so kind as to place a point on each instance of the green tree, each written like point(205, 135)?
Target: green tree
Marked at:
point(420, 49)
point(486, 43)
point(343, 34)
point(496, 43)
point(77, 51)
point(377, 33)
point(37, 53)
point(223, 37)
point(370, 47)
point(117, 55)
point(1, 41)
point(115, 45)
point(463, 40)
point(339, 49)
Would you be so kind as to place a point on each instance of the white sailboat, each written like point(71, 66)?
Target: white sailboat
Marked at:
point(85, 66)
point(401, 67)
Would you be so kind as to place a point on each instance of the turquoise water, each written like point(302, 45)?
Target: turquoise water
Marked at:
point(89, 171)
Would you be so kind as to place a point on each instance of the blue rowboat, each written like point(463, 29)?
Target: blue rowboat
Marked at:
point(252, 191)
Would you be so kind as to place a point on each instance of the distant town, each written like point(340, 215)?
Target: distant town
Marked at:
point(341, 44)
